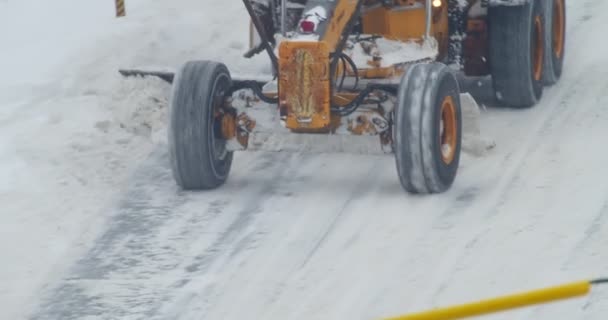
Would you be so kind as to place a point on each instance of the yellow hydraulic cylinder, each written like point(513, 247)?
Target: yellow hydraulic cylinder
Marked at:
point(502, 303)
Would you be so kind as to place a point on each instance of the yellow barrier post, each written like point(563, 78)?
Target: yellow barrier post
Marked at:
point(120, 8)
point(503, 303)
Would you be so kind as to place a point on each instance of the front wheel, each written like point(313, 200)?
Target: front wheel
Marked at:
point(199, 157)
point(428, 129)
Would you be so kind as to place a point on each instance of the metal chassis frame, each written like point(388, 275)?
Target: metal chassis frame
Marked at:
point(335, 56)
point(344, 35)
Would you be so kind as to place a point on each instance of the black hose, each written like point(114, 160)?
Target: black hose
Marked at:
point(354, 66)
point(253, 85)
point(353, 105)
point(343, 73)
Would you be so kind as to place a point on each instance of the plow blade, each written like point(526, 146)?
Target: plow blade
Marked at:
point(164, 75)
point(169, 76)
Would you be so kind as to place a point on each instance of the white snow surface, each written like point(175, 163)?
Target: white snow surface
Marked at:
point(93, 227)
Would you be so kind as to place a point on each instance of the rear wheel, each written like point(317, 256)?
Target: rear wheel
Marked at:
point(517, 53)
point(428, 129)
point(199, 158)
point(555, 39)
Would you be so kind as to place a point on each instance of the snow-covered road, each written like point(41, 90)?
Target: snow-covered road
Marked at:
point(289, 236)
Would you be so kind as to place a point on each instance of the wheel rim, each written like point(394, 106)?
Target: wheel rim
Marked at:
point(538, 49)
point(558, 28)
point(448, 130)
point(218, 145)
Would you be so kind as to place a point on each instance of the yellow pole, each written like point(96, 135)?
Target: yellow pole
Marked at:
point(502, 303)
point(120, 8)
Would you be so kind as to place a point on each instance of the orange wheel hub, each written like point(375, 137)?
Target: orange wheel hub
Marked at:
point(538, 52)
point(228, 126)
point(449, 130)
point(559, 27)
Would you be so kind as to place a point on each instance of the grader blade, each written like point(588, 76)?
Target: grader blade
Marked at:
point(164, 75)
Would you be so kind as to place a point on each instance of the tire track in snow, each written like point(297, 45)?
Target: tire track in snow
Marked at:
point(601, 220)
point(339, 257)
point(134, 248)
point(300, 276)
point(278, 253)
point(284, 270)
point(356, 193)
point(228, 254)
point(111, 254)
point(227, 239)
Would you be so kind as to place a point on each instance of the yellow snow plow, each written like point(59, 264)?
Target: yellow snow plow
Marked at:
point(363, 76)
point(508, 302)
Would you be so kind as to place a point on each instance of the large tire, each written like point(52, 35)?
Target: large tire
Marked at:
point(428, 129)
point(516, 47)
point(555, 39)
point(199, 158)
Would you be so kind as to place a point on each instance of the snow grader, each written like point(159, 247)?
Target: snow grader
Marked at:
point(363, 76)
